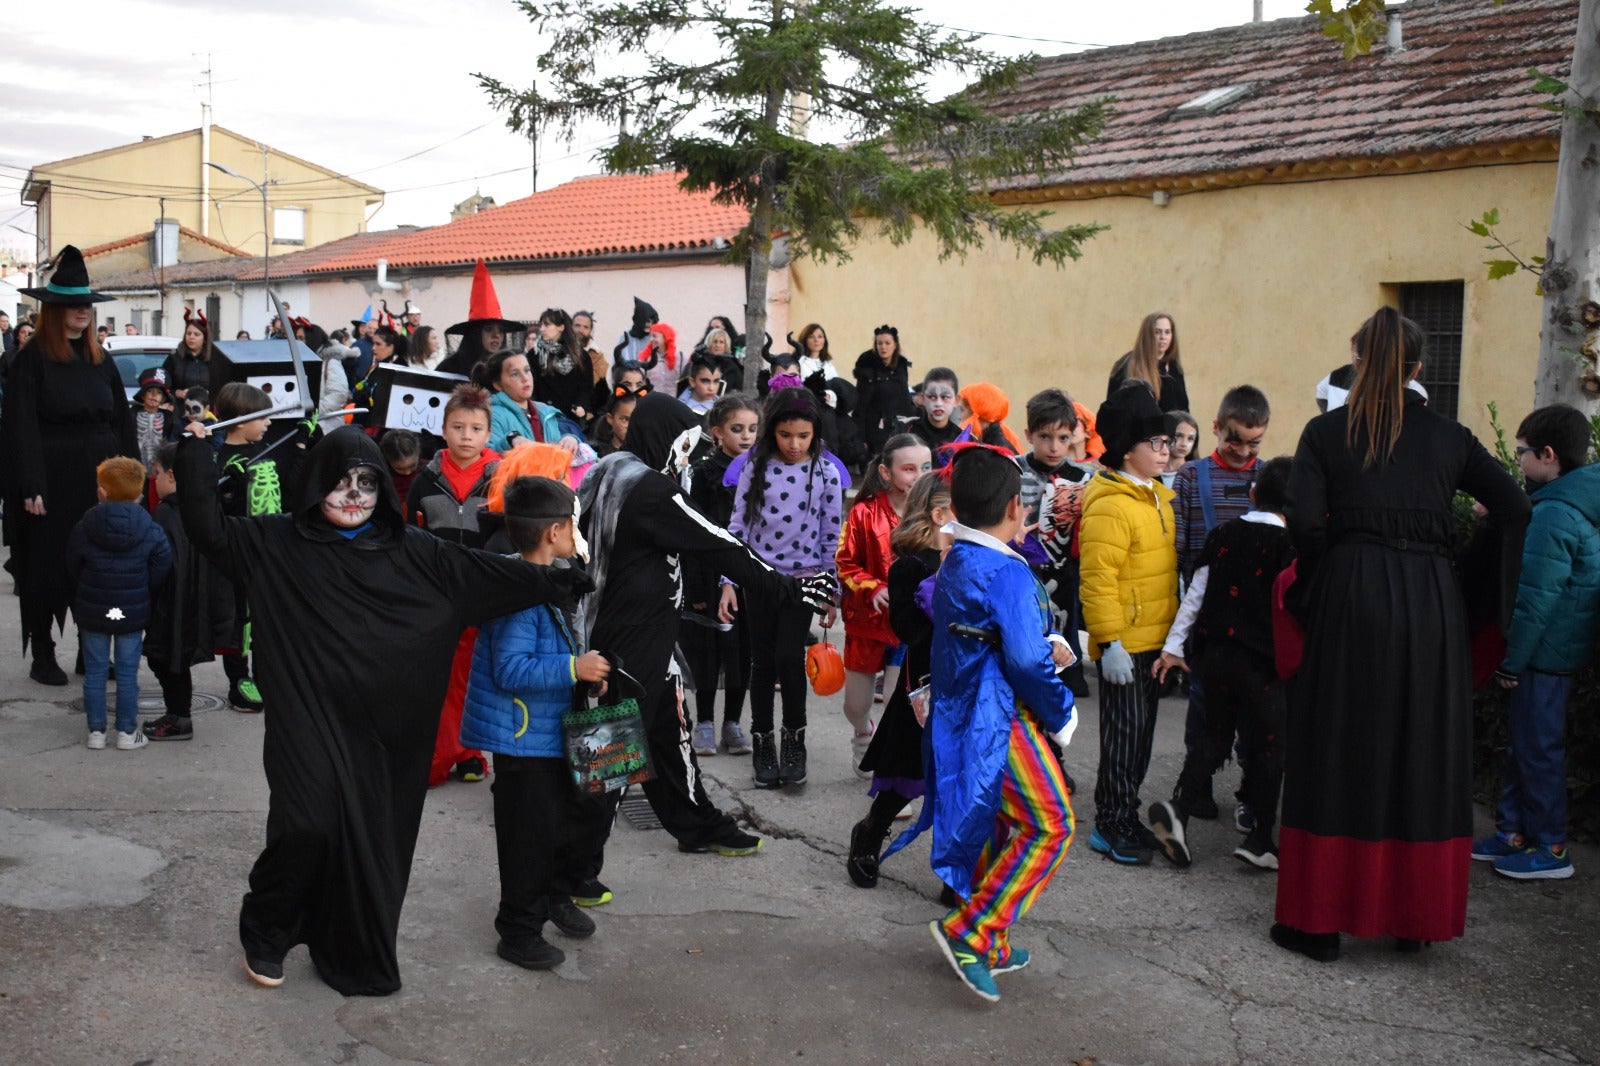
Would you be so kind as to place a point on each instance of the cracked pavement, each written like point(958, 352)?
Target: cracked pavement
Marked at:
point(121, 873)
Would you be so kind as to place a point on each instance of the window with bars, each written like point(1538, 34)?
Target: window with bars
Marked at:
point(1437, 306)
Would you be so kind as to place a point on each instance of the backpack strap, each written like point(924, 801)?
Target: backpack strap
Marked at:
point(1208, 506)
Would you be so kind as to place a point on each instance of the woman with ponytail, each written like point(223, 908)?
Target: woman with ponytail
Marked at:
point(1377, 788)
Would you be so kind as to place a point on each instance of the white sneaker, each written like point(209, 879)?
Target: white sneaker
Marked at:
point(97, 739)
point(858, 751)
point(128, 741)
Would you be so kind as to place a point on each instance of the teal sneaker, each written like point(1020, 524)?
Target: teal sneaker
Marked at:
point(1498, 846)
point(968, 964)
point(1536, 864)
point(1015, 959)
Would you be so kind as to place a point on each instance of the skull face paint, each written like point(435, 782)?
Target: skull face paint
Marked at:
point(353, 499)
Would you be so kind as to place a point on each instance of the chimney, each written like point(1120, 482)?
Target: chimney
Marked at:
point(164, 243)
point(1395, 39)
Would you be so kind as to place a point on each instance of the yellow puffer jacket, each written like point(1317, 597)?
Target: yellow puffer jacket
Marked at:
point(1129, 555)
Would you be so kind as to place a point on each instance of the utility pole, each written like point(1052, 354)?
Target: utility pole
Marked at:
point(205, 152)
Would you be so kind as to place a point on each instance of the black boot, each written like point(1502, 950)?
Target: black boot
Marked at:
point(44, 669)
point(792, 770)
point(765, 758)
point(866, 840)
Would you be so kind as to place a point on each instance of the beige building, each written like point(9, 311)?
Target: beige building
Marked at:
point(1267, 194)
point(110, 195)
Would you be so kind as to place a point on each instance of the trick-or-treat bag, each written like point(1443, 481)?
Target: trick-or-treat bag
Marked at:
point(605, 742)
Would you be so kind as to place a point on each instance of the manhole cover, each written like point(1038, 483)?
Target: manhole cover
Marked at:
point(152, 706)
point(637, 810)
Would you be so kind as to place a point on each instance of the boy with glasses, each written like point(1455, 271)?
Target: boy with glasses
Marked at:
point(1209, 492)
point(937, 425)
point(1129, 590)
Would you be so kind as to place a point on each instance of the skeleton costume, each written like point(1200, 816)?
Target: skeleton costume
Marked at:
point(348, 736)
point(639, 524)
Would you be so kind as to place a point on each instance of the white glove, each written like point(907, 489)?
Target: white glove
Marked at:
point(1116, 665)
point(830, 397)
point(1063, 736)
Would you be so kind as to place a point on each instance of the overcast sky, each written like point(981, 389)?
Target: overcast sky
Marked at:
point(359, 85)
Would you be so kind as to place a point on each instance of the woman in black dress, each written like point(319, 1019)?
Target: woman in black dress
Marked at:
point(882, 376)
point(1154, 361)
point(65, 412)
point(190, 364)
point(562, 376)
point(1377, 797)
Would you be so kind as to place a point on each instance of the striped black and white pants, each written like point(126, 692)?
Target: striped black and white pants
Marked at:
point(1127, 728)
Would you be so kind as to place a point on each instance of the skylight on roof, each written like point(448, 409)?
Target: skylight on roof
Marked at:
point(1212, 100)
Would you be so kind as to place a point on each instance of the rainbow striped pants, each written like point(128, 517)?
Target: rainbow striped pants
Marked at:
point(1032, 831)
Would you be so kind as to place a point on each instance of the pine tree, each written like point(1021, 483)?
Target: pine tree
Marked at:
point(907, 163)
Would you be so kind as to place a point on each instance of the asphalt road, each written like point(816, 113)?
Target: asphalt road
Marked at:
point(121, 873)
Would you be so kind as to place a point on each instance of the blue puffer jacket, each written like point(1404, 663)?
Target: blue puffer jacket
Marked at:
point(118, 557)
point(1553, 626)
point(523, 669)
point(977, 690)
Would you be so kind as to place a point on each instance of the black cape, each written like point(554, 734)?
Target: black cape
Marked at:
point(1377, 787)
point(353, 641)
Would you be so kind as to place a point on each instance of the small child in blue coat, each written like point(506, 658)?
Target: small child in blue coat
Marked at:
point(525, 667)
point(996, 798)
point(118, 557)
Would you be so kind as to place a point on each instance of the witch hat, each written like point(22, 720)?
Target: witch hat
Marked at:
point(69, 282)
point(483, 306)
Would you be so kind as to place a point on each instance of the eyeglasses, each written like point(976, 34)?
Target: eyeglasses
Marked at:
point(1523, 449)
point(1158, 444)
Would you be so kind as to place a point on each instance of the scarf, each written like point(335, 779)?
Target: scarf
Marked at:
point(553, 356)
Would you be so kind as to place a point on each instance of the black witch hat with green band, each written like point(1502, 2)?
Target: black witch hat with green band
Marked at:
point(69, 282)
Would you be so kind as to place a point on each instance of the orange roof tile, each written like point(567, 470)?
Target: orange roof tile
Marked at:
point(610, 214)
point(135, 238)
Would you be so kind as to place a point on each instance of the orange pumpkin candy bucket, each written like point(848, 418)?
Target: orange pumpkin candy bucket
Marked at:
point(825, 667)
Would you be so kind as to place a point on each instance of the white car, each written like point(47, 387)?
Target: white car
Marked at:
point(134, 355)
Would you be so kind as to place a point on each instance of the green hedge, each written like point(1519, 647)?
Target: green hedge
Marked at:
point(1583, 713)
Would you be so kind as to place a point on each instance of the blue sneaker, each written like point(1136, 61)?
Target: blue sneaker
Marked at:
point(1498, 846)
point(1244, 818)
point(1536, 864)
point(968, 964)
point(1015, 960)
point(1127, 850)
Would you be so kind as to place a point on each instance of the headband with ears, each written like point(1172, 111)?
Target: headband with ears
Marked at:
point(890, 330)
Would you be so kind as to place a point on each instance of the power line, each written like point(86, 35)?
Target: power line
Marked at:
point(1022, 37)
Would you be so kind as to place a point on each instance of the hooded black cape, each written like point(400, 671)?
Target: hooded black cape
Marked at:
point(354, 641)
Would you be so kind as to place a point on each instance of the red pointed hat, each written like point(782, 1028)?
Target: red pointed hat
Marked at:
point(483, 306)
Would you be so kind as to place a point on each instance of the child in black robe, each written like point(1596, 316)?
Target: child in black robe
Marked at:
point(350, 736)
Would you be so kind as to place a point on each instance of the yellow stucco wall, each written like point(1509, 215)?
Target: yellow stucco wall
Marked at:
point(1266, 284)
point(127, 184)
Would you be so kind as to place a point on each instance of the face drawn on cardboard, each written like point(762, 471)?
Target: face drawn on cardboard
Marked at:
point(280, 389)
point(411, 408)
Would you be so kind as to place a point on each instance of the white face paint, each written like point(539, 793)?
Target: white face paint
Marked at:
point(353, 499)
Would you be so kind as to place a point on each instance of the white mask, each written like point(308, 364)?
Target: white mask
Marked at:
point(353, 499)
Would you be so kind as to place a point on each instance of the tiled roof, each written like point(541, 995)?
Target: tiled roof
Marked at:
point(137, 238)
point(1457, 93)
point(223, 271)
point(611, 214)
